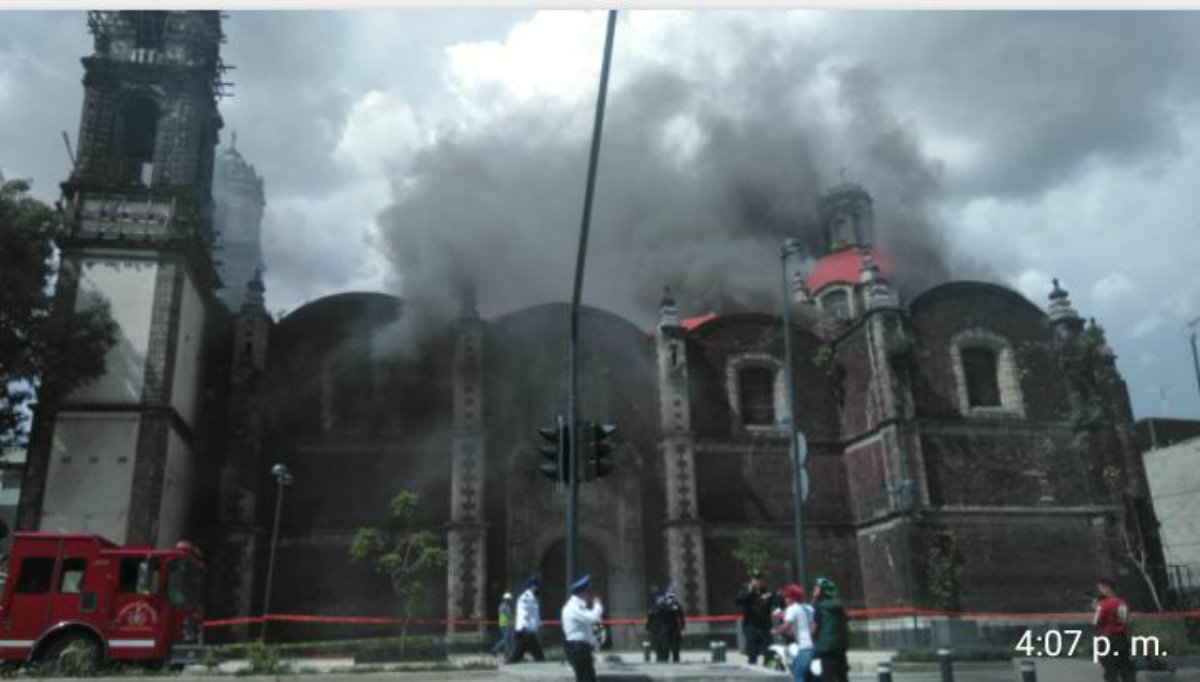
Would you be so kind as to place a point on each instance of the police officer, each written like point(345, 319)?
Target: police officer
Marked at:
point(580, 616)
point(529, 620)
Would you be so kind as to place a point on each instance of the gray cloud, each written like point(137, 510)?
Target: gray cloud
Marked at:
point(40, 94)
point(1040, 93)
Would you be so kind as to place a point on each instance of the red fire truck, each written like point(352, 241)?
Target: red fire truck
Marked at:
point(85, 599)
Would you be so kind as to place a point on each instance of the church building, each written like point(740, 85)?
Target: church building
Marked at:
point(969, 449)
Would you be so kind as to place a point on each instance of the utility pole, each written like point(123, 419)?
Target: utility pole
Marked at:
point(797, 446)
point(573, 426)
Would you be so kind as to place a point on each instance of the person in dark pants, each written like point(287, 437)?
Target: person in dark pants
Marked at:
point(757, 604)
point(580, 616)
point(831, 632)
point(528, 622)
point(665, 623)
point(1112, 623)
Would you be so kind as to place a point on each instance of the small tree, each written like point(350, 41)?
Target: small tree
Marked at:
point(752, 553)
point(42, 351)
point(400, 552)
point(1130, 525)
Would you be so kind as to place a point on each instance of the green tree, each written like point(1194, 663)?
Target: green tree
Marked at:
point(752, 553)
point(43, 352)
point(400, 551)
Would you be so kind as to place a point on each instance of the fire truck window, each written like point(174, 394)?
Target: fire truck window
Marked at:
point(36, 574)
point(183, 583)
point(139, 575)
point(71, 581)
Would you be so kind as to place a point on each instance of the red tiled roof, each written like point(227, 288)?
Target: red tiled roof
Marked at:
point(691, 323)
point(844, 266)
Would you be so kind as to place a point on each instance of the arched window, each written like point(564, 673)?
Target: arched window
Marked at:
point(756, 390)
point(980, 368)
point(837, 304)
point(756, 393)
point(985, 370)
point(136, 134)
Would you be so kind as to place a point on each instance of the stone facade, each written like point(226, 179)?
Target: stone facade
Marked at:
point(920, 496)
point(968, 450)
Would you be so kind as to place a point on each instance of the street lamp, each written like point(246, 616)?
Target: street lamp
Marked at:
point(283, 477)
point(797, 446)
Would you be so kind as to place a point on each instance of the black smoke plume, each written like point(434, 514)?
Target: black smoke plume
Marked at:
point(700, 179)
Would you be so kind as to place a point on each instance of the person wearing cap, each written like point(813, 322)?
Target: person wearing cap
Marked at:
point(504, 618)
point(665, 623)
point(580, 615)
point(757, 604)
point(529, 620)
point(797, 622)
point(831, 632)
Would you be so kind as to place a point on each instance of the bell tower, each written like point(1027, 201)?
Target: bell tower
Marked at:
point(847, 217)
point(117, 456)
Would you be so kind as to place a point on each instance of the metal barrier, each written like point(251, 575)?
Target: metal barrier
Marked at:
point(718, 651)
point(885, 672)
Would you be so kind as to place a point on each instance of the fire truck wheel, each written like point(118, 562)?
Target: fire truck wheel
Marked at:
point(72, 654)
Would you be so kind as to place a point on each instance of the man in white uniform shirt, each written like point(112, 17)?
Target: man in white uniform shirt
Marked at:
point(580, 616)
point(527, 623)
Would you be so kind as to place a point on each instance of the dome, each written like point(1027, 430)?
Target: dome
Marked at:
point(843, 267)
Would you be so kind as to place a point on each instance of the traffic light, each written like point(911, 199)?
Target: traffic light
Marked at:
point(554, 450)
point(600, 449)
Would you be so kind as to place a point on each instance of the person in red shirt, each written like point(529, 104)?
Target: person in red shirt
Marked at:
point(1112, 623)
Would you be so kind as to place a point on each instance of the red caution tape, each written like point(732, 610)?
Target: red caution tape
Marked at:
point(891, 612)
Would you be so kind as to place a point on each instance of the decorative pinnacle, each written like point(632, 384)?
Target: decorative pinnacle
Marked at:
point(1058, 291)
point(667, 299)
point(668, 313)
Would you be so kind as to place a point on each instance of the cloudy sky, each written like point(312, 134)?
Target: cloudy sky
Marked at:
point(412, 150)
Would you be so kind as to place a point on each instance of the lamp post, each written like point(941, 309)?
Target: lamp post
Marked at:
point(797, 446)
point(283, 477)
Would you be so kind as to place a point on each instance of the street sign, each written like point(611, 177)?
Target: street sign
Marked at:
point(804, 487)
point(801, 449)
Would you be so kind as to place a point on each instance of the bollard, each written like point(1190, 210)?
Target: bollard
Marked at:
point(645, 652)
point(718, 651)
point(945, 656)
point(885, 671)
point(1028, 671)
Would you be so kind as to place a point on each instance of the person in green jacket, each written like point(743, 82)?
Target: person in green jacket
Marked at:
point(831, 632)
point(504, 620)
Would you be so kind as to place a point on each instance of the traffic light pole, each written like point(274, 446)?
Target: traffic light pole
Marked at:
point(576, 295)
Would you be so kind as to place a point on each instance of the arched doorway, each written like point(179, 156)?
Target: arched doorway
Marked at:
point(592, 562)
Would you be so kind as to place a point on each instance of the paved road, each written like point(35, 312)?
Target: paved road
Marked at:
point(998, 672)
